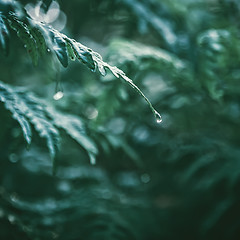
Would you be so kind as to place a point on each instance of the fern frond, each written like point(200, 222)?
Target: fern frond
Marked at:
point(10, 99)
point(33, 34)
point(39, 39)
point(28, 110)
point(4, 36)
point(143, 57)
point(23, 32)
point(36, 112)
point(75, 128)
point(59, 47)
point(217, 47)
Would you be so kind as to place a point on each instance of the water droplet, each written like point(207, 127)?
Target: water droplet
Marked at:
point(91, 112)
point(58, 95)
point(48, 50)
point(158, 117)
point(145, 178)
point(64, 186)
point(13, 157)
point(93, 69)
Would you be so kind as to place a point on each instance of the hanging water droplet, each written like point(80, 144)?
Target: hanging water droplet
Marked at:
point(48, 50)
point(159, 120)
point(158, 117)
point(58, 95)
point(25, 45)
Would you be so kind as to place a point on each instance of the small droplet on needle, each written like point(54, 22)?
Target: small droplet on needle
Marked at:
point(58, 95)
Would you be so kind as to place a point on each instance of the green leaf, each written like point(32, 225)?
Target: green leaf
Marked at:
point(101, 65)
point(70, 51)
point(59, 47)
point(65, 47)
point(27, 109)
point(40, 40)
point(36, 112)
point(82, 53)
point(23, 32)
point(4, 36)
point(75, 128)
point(10, 99)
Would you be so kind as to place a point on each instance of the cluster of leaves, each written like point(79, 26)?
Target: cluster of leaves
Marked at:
point(196, 153)
point(27, 109)
point(189, 166)
point(39, 38)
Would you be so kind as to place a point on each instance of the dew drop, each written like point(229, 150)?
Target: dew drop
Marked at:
point(58, 95)
point(13, 157)
point(158, 117)
point(91, 112)
point(145, 178)
point(64, 187)
point(48, 50)
point(159, 120)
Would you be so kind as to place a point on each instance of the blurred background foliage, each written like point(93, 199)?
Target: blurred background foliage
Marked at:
point(176, 180)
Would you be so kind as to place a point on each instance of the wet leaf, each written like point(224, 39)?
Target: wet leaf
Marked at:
point(4, 36)
point(59, 47)
point(27, 38)
point(10, 99)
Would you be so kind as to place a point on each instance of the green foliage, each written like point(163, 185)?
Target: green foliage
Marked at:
point(218, 48)
point(28, 110)
point(34, 35)
point(25, 35)
point(38, 38)
point(174, 180)
point(11, 101)
point(4, 36)
point(74, 126)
